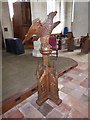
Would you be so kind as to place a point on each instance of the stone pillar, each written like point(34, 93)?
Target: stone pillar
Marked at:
point(69, 15)
point(63, 14)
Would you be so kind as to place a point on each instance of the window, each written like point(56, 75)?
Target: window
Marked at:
point(55, 5)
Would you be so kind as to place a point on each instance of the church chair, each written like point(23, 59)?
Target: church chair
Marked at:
point(54, 44)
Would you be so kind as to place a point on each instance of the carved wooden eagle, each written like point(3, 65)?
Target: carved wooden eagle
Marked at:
point(41, 29)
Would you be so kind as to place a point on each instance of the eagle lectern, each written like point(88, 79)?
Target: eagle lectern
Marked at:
point(47, 78)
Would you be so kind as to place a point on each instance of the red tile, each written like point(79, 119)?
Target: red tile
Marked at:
point(65, 80)
point(76, 93)
point(75, 71)
point(66, 90)
point(71, 85)
point(63, 108)
point(77, 81)
point(70, 101)
point(30, 111)
point(82, 108)
point(13, 113)
point(83, 66)
point(84, 83)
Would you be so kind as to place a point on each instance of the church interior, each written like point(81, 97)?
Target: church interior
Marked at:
point(44, 63)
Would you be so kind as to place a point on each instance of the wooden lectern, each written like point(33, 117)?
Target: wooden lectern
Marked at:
point(47, 78)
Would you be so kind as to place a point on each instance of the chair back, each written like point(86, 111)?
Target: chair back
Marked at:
point(52, 42)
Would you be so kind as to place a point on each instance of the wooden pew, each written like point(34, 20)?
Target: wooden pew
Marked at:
point(85, 44)
point(70, 41)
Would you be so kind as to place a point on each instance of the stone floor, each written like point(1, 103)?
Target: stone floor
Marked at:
point(73, 90)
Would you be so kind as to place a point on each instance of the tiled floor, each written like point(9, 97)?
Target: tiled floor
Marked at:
point(73, 90)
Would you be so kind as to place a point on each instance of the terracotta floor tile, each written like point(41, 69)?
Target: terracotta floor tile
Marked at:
point(76, 93)
point(65, 79)
point(26, 109)
point(13, 113)
point(64, 109)
point(66, 90)
point(75, 114)
point(73, 90)
point(71, 75)
point(45, 108)
point(84, 83)
point(82, 66)
point(54, 114)
point(77, 81)
point(82, 108)
point(71, 85)
point(75, 71)
point(70, 101)
point(34, 114)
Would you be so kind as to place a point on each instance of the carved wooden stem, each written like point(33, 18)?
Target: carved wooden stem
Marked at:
point(47, 78)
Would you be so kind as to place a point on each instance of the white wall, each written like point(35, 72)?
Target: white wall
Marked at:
point(80, 24)
point(39, 10)
point(68, 15)
point(6, 22)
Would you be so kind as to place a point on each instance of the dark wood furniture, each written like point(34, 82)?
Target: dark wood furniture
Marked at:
point(85, 44)
point(70, 41)
point(22, 21)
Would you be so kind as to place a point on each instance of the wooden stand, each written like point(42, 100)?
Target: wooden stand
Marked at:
point(47, 80)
